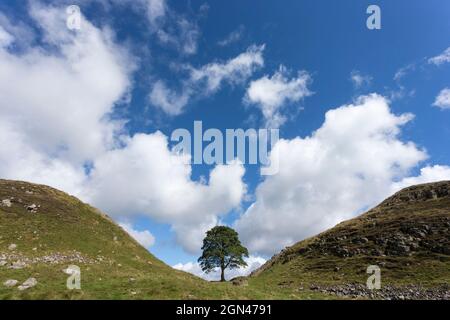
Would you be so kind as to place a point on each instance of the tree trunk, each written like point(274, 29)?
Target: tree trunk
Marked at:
point(222, 274)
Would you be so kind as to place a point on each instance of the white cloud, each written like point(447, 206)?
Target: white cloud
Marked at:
point(359, 80)
point(156, 9)
point(17, 30)
point(169, 100)
point(443, 99)
point(444, 57)
point(52, 97)
point(207, 80)
point(184, 39)
point(253, 263)
point(270, 94)
point(5, 38)
point(427, 174)
point(346, 166)
point(153, 182)
point(145, 238)
point(403, 71)
point(55, 120)
point(178, 31)
point(233, 37)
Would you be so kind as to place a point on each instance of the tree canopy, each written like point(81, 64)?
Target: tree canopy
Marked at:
point(222, 249)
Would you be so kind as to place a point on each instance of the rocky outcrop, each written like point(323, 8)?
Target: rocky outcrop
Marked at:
point(413, 221)
point(20, 261)
point(387, 292)
point(419, 193)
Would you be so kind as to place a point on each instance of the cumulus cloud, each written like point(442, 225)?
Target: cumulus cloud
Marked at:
point(427, 174)
point(346, 166)
point(442, 58)
point(253, 263)
point(443, 99)
point(359, 80)
point(145, 238)
point(146, 177)
point(55, 119)
point(207, 80)
point(270, 94)
point(53, 96)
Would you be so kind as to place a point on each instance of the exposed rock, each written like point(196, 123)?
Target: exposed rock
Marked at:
point(6, 203)
point(10, 283)
point(387, 292)
point(240, 281)
point(29, 283)
point(12, 246)
point(419, 193)
point(18, 265)
point(33, 208)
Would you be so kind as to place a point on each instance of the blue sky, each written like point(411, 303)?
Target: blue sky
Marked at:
point(326, 40)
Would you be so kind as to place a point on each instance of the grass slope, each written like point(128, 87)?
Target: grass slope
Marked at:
point(62, 230)
point(407, 235)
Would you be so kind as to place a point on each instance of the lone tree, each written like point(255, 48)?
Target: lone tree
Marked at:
point(222, 249)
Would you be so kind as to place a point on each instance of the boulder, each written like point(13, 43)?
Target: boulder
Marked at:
point(29, 283)
point(6, 203)
point(10, 283)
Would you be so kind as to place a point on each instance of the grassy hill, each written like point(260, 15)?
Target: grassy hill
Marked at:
point(43, 231)
point(407, 236)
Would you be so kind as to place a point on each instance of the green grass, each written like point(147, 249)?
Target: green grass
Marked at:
point(63, 224)
point(296, 268)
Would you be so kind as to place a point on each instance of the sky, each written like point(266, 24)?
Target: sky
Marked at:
point(90, 109)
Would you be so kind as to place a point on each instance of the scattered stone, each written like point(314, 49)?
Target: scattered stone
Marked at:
point(10, 283)
point(3, 263)
point(6, 203)
point(33, 208)
point(29, 283)
point(12, 246)
point(387, 292)
point(18, 265)
point(240, 281)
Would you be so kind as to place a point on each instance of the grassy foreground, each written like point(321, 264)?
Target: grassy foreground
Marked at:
point(51, 230)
